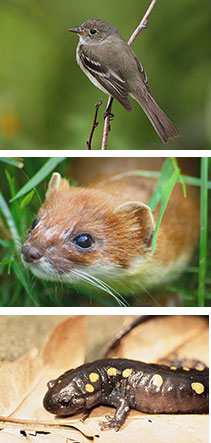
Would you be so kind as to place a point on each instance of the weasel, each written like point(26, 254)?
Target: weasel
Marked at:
point(100, 233)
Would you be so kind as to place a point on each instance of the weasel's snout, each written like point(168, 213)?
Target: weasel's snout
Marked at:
point(30, 253)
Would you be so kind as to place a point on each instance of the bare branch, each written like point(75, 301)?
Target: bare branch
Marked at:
point(95, 124)
point(142, 25)
point(106, 131)
point(107, 115)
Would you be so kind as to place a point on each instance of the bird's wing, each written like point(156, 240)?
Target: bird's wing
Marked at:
point(143, 75)
point(112, 81)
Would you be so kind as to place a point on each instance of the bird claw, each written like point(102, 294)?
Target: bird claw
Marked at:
point(108, 114)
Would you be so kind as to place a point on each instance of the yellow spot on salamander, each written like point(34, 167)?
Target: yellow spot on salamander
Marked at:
point(186, 368)
point(199, 368)
point(89, 388)
point(93, 377)
point(126, 373)
point(173, 368)
point(59, 381)
point(126, 408)
point(157, 380)
point(112, 371)
point(197, 387)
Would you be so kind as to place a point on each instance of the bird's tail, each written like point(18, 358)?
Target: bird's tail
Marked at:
point(160, 122)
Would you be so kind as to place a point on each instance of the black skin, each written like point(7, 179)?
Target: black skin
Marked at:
point(127, 384)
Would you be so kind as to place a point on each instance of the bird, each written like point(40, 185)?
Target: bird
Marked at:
point(111, 65)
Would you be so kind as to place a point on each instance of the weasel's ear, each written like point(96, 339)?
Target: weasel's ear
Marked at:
point(56, 183)
point(53, 184)
point(143, 217)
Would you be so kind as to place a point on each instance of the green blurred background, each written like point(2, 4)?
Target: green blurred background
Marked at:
point(47, 102)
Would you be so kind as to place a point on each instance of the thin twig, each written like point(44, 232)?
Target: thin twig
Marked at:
point(107, 122)
point(142, 25)
point(95, 124)
point(106, 130)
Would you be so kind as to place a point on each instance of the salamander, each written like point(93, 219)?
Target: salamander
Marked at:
point(128, 384)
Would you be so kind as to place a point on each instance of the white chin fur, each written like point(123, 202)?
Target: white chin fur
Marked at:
point(91, 275)
point(42, 269)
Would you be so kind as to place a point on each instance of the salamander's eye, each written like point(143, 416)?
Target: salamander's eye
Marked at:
point(84, 241)
point(65, 402)
point(93, 31)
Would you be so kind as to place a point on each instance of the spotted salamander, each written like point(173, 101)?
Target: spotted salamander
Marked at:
point(127, 384)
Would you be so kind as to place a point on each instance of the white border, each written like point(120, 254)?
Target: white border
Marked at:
point(91, 310)
point(114, 153)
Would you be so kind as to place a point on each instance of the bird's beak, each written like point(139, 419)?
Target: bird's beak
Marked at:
point(77, 31)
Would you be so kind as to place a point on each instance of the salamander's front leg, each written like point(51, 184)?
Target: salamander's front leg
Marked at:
point(119, 418)
point(86, 414)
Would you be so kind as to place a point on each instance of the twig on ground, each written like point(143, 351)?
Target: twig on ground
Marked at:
point(142, 25)
point(95, 124)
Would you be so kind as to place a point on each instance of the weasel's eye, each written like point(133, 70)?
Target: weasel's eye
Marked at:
point(93, 31)
point(34, 224)
point(65, 402)
point(84, 241)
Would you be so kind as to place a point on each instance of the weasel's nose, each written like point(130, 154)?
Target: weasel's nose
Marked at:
point(30, 253)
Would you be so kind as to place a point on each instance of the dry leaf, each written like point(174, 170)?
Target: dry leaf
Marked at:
point(65, 346)
point(163, 336)
point(17, 379)
point(157, 339)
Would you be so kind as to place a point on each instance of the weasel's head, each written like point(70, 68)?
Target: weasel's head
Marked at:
point(80, 232)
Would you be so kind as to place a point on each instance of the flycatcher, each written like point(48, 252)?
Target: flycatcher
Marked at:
point(111, 65)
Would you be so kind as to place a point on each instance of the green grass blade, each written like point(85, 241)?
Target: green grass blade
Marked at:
point(27, 199)
point(4, 209)
point(4, 243)
point(39, 176)
point(11, 183)
point(163, 182)
point(12, 161)
point(23, 281)
point(166, 192)
point(203, 232)
point(188, 180)
point(163, 191)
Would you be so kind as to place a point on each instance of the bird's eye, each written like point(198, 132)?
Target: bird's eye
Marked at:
point(93, 31)
point(84, 241)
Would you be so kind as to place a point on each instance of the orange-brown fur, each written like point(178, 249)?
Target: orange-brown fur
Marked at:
point(180, 225)
point(122, 234)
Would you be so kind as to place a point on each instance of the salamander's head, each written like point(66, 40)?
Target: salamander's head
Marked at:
point(72, 392)
point(64, 399)
point(84, 233)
